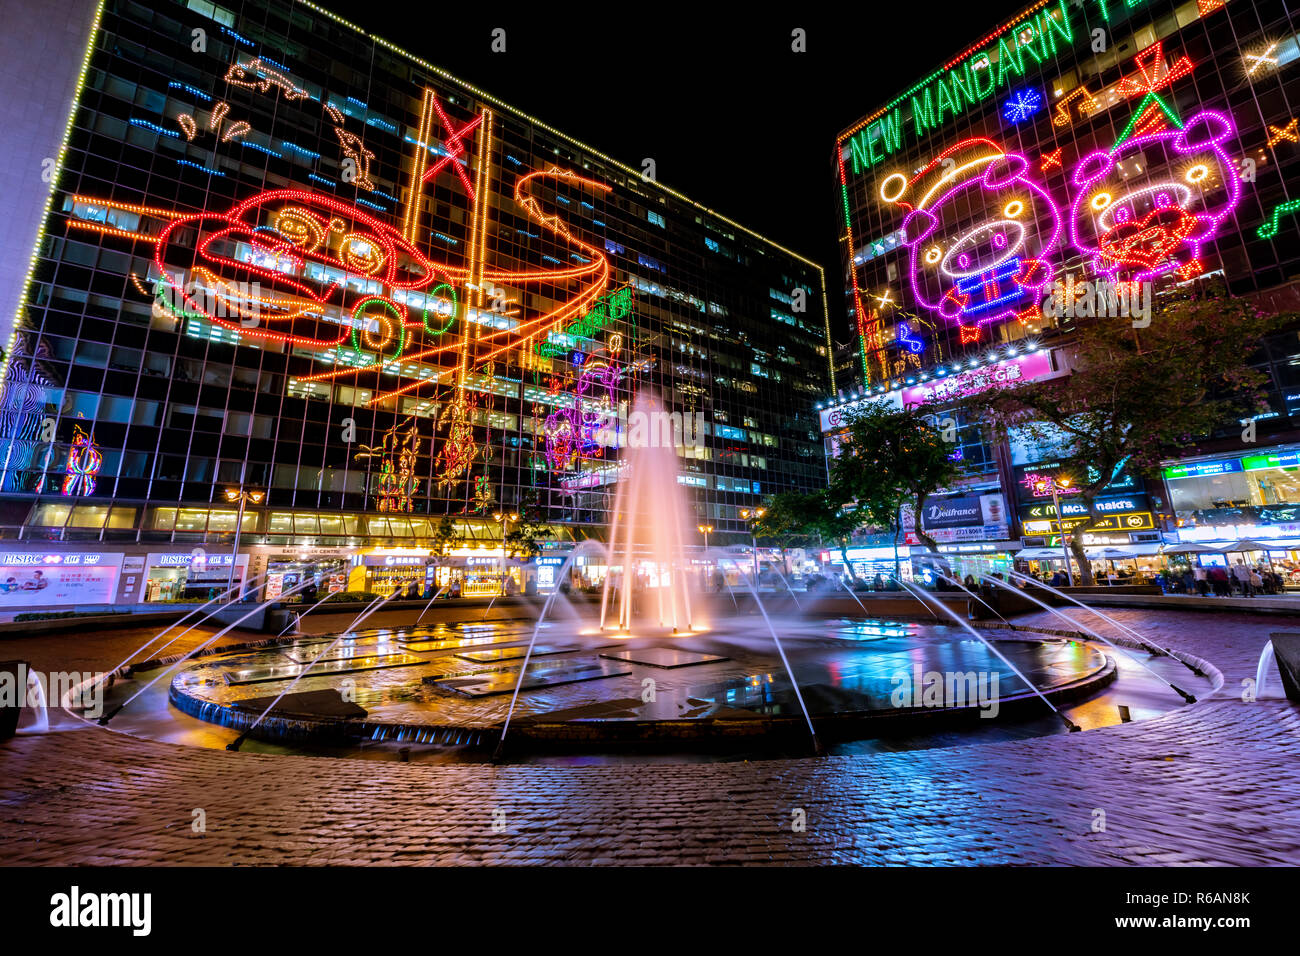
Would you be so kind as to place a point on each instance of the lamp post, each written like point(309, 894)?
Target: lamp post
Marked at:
point(505, 521)
point(704, 529)
point(256, 496)
point(755, 513)
point(1060, 484)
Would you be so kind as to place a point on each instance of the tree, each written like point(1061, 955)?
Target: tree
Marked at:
point(444, 538)
point(888, 459)
point(786, 522)
point(1137, 396)
point(521, 537)
point(814, 513)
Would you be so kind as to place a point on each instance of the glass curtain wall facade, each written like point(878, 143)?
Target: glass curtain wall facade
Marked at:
point(295, 273)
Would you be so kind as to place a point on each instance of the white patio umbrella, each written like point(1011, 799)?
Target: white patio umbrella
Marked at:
point(1110, 555)
point(1188, 547)
point(1246, 545)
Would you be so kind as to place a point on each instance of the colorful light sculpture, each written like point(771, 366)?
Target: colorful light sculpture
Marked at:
point(1144, 227)
point(84, 463)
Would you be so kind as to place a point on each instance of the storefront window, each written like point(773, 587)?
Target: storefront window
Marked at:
point(222, 521)
point(377, 526)
point(190, 519)
point(281, 523)
point(305, 524)
point(400, 527)
point(52, 516)
point(1240, 489)
point(331, 525)
point(122, 518)
point(88, 516)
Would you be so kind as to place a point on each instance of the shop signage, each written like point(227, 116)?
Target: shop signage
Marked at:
point(1203, 469)
point(1045, 509)
point(1132, 521)
point(1123, 482)
point(1023, 368)
point(190, 558)
point(51, 580)
point(1286, 459)
point(38, 559)
point(966, 511)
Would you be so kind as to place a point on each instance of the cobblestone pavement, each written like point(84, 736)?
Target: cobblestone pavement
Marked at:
point(1211, 783)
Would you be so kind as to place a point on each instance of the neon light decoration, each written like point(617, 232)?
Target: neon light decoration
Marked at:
point(1147, 229)
point(84, 462)
point(22, 413)
point(311, 270)
point(1050, 160)
point(258, 76)
point(1290, 133)
point(1022, 105)
point(585, 424)
point(609, 308)
point(1270, 228)
point(969, 79)
point(978, 275)
point(396, 454)
point(913, 343)
point(1151, 74)
point(1257, 60)
point(1040, 486)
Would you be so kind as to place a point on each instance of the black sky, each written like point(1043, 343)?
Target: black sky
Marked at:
point(733, 118)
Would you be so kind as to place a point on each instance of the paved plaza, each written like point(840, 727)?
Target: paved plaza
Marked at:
point(1210, 783)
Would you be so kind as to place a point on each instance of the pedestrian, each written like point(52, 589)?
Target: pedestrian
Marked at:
point(1218, 579)
point(1189, 581)
point(1202, 580)
point(1241, 576)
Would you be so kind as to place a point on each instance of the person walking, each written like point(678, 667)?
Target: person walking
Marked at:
point(1218, 577)
point(1202, 580)
point(1241, 575)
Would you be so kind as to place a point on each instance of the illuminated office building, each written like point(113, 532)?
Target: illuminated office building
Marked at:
point(1128, 142)
point(295, 273)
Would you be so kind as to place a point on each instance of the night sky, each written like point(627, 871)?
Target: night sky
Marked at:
point(732, 117)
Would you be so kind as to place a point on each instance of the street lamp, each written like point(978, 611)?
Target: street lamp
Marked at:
point(254, 495)
point(1058, 484)
point(505, 520)
point(756, 513)
point(704, 529)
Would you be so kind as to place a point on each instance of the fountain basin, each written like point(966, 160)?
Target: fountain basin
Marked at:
point(592, 690)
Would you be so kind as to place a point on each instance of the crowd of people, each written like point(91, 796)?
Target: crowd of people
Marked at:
point(1240, 579)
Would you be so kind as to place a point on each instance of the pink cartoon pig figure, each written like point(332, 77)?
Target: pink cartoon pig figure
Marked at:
point(981, 237)
point(1145, 208)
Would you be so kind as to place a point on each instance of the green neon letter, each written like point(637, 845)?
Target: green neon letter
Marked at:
point(1008, 61)
point(981, 68)
point(923, 114)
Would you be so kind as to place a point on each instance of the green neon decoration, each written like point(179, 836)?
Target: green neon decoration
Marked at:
point(401, 326)
point(1142, 108)
point(450, 320)
point(946, 93)
point(1270, 228)
point(608, 308)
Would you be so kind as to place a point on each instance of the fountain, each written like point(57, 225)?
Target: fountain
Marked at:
point(676, 648)
point(648, 532)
